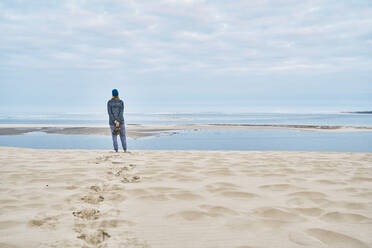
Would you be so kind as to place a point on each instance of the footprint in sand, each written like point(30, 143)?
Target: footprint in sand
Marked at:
point(124, 173)
point(107, 188)
point(118, 171)
point(87, 214)
point(130, 179)
point(92, 199)
point(123, 168)
point(96, 188)
point(95, 238)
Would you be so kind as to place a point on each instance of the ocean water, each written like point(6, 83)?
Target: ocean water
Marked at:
point(275, 139)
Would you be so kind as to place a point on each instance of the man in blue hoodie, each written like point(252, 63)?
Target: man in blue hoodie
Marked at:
point(115, 109)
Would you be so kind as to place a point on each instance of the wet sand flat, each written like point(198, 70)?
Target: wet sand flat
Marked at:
point(148, 130)
point(167, 199)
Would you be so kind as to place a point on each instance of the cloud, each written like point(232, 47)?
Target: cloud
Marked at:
point(187, 35)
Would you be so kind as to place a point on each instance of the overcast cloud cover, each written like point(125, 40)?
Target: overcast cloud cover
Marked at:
point(186, 55)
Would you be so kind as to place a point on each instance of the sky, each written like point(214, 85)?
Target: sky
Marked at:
point(186, 55)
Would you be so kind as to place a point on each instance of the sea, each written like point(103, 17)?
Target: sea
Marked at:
point(262, 140)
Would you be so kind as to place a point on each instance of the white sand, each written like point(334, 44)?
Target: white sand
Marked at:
point(179, 199)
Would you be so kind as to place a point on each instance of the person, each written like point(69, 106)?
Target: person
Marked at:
point(115, 109)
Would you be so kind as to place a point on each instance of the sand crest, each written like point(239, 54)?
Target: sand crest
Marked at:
point(168, 199)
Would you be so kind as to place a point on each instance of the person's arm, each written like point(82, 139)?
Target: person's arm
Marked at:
point(121, 110)
point(111, 115)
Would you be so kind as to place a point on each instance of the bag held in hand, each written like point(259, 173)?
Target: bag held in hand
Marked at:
point(116, 131)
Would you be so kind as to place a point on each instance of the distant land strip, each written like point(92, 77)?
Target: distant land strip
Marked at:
point(359, 112)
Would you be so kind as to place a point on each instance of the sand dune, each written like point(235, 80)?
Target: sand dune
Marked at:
point(168, 199)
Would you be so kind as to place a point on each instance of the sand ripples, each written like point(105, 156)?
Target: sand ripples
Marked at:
point(185, 199)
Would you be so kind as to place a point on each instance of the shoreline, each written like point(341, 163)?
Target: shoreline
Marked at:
point(138, 151)
point(153, 130)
